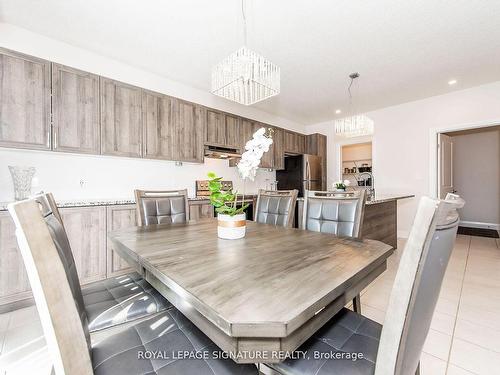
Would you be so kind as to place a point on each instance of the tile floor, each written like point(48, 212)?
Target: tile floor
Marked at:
point(464, 338)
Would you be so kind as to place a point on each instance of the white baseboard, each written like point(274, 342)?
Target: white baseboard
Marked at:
point(477, 224)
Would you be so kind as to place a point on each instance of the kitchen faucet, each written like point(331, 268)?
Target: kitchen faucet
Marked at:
point(371, 190)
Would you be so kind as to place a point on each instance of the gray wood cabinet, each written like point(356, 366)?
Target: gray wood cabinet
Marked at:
point(86, 230)
point(189, 129)
point(216, 128)
point(294, 142)
point(121, 119)
point(159, 125)
point(233, 131)
point(118, 217)
point(24, 101)
point(222, 129)
point(200, 210)
point(75, 110)
point(278, 149)
point(14, 283)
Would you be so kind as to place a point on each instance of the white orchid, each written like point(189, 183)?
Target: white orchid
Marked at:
point(347, 182)
point(255, 149)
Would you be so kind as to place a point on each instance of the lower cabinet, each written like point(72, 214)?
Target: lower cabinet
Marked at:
point(14, 283)
point(200, 210)
point(86, 230)
point(118, 217)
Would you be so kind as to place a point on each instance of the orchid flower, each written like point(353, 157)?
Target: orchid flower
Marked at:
point(255, 149)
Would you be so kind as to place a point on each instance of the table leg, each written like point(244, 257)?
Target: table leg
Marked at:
point(356, 304)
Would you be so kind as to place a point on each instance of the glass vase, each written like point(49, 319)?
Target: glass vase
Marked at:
point(22, 178)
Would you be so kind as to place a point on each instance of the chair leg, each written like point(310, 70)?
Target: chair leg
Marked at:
point(356, 304)
point(417, 372)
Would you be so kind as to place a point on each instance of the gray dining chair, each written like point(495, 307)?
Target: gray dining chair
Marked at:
point(395, 347)
point(110, 302)
point(276, 207)
point(161, 206)
point(334, 213)
point(43, 244)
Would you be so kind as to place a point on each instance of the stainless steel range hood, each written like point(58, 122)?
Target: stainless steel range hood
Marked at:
point(218, 152)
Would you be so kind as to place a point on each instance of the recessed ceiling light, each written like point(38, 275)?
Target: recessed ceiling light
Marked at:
point(451, 82)
point(338, 111)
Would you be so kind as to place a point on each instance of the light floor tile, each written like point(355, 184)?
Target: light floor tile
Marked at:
point(474, 358)
point(373, 313)
point(479, 316)
point(437, 344)
point(485, 337)
point(430, 365)
point(443, 323)
point(455, 370)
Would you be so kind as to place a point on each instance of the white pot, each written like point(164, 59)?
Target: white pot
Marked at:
point(231, 227)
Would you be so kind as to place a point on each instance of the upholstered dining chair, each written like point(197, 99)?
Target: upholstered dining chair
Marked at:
point(395, 347)
point(334, 213)
point(110, 302)
point(276, 207)
point(161, 206)
point(43, 244)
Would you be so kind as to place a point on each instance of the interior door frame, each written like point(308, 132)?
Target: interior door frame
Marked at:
point(352, 141)
point(434, 151)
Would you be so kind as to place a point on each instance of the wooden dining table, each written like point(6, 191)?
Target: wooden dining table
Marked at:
point(260, 297)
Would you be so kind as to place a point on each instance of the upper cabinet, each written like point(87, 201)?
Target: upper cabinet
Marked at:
point(121, 119)
point(24, 101)
point(216, 128)
point(222, 129)
point(316, 145)
point(159, 125)
point(278, 150)
point(190, 122)
point(294, 142)
point(75, 108)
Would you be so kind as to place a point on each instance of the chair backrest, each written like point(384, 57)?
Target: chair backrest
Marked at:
point(40, 235)
point(330, 212)
point(161, 206)
point(417, 285)
point(276, 207)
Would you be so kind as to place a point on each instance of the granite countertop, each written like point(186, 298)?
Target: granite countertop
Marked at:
point(109, 202)
point(382, 198)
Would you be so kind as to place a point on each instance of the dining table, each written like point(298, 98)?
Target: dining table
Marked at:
point(257, 298)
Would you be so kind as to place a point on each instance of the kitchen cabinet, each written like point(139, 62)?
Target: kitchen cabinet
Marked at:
point(316, 145)
point(267, 160)
point(75, 110)
point(14, 282)
point(159, 125)
point(86, 230)
point(215, 134)
point(118, 217)
point(200, 209)
point(24, 101)
point(278, 149)
point(233, 131)
point(121, 119)
point(294, 142)
point(222, 129)
point(189, 129)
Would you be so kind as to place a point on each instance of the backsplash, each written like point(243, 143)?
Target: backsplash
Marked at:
point(72, 176)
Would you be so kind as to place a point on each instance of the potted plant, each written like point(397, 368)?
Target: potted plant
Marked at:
point(341, 186)
point(231, 218)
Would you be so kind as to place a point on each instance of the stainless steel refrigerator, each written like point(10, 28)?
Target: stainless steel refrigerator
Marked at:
point(302, 172)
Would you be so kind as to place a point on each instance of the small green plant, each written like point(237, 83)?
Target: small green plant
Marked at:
point(224, 201)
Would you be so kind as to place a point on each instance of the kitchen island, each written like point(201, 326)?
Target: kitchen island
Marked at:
point(381, 217)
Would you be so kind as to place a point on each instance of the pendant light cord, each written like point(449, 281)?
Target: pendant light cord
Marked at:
point(244, 22)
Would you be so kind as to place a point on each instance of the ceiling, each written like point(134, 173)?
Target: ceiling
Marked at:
point(404, 50)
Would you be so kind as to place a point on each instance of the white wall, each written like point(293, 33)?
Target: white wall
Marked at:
point(401, 142)
point(112, 177)
point(476, 175)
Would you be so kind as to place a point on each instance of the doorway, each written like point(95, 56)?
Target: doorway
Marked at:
point(469, 165)
point(356, 165)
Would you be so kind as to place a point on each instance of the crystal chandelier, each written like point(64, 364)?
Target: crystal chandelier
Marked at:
point(354, 125)
point(245, 76)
